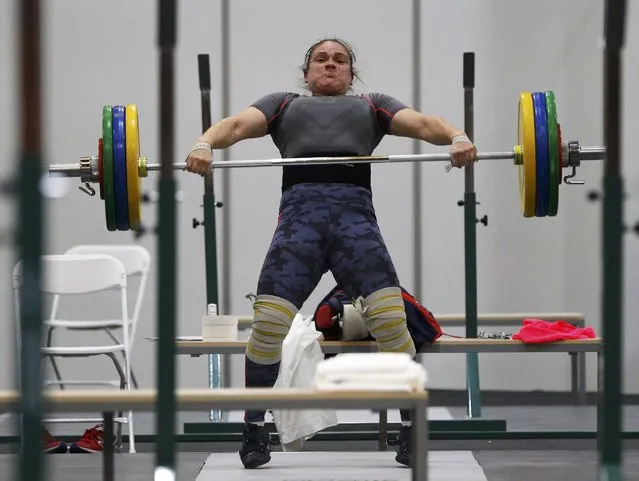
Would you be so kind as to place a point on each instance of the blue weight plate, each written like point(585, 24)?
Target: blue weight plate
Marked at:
point(119, 168)
point(542, 151)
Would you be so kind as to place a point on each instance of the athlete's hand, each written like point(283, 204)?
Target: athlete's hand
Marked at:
point(199, 159)
point(462, 151)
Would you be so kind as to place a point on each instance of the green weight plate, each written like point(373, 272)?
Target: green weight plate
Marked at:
point(553, 147)
point(107, 167)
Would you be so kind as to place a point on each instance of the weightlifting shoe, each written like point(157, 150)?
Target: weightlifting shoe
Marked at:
point(52, 445)
point(92, 441)
point(256, 446)
point(404, 446)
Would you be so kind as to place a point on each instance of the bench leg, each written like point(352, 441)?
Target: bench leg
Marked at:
point(578, 376)
point(419, 443)
point(382, 442)
point(108, 461)
point(598, 403)
point(574, 376)
point(582, 378)
point(581, 361)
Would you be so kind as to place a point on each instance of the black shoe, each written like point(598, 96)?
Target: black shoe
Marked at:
point(256, 446)
point(403, 446)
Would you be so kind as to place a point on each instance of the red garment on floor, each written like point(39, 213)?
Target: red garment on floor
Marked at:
point(536, 331)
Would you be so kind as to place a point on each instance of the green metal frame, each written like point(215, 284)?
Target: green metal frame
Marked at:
point(610, 446)
point(473, 408)
point(435, 426)
point(30, 241)
point(209, 205)
point(167, 242)
point(362, 433)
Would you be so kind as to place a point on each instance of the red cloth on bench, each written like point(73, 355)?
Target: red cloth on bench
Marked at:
point(536, 331)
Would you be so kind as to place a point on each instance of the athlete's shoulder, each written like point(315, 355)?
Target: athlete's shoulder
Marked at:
point(377, 97)
point(385, 103)
point(280, 96)
point(286, 95)
point(272, 104)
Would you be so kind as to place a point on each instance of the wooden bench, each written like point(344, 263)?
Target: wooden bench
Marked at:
point(197, 348)
point(73, 400)
point(109, 400)
point(487, 319)
point(510, 319)
point(443, 345)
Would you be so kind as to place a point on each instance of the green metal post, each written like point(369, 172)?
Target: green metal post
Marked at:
point(216, 365)
point(418, 248)
point(473, 408)
point(210, 234)
point(225, 102)
point(610, 445)
point(210, 248)
point(30, 242)
point(166, 378)
point(210, 229)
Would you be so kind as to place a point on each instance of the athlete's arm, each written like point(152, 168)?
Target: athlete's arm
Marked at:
point(432, 129)
point(247, 124)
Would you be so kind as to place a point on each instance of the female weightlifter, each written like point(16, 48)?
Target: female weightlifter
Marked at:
point(326, 219)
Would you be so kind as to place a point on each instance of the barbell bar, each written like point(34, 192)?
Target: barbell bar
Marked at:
point(539, 156)
point(87, 168)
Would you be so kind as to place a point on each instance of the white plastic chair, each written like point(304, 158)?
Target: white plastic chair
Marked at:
point(77, 275)
point(137, 262)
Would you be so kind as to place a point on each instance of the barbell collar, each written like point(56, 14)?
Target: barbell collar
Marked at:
point(574, 151)
point(86, 174)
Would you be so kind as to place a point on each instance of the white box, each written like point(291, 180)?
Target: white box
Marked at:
point(219, 328)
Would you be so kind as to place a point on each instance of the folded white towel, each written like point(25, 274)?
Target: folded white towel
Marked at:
point(329, 386)
point(385, 371)
point(373, 378)
point(406, 381)
point(391, 362)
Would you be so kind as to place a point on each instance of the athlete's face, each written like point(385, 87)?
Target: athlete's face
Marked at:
point(329, 70)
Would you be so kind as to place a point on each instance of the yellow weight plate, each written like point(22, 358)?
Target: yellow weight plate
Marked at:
point(134, 185)
point(526, 139)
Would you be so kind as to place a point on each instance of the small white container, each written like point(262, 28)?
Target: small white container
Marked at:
point(354, 326)
point(219, 328)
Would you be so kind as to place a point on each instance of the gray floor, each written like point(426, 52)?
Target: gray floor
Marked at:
point(129, 467)
point(555, 460)
point(497, 466)
point(549, 465)
point(351, 466)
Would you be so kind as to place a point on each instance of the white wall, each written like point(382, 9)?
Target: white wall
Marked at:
point(524, 264)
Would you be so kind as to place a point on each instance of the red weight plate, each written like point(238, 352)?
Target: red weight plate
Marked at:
point(561, 152)
point(100, 179)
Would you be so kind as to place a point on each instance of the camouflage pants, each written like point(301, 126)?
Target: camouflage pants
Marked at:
point(326, 227)
point(321, 228)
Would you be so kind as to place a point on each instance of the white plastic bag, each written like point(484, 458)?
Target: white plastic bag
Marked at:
point(301, 353)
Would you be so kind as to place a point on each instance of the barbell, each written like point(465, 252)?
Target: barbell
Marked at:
point(539, 156)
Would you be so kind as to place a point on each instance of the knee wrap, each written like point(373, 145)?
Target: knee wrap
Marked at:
point(272, 319)
point(386, 316)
